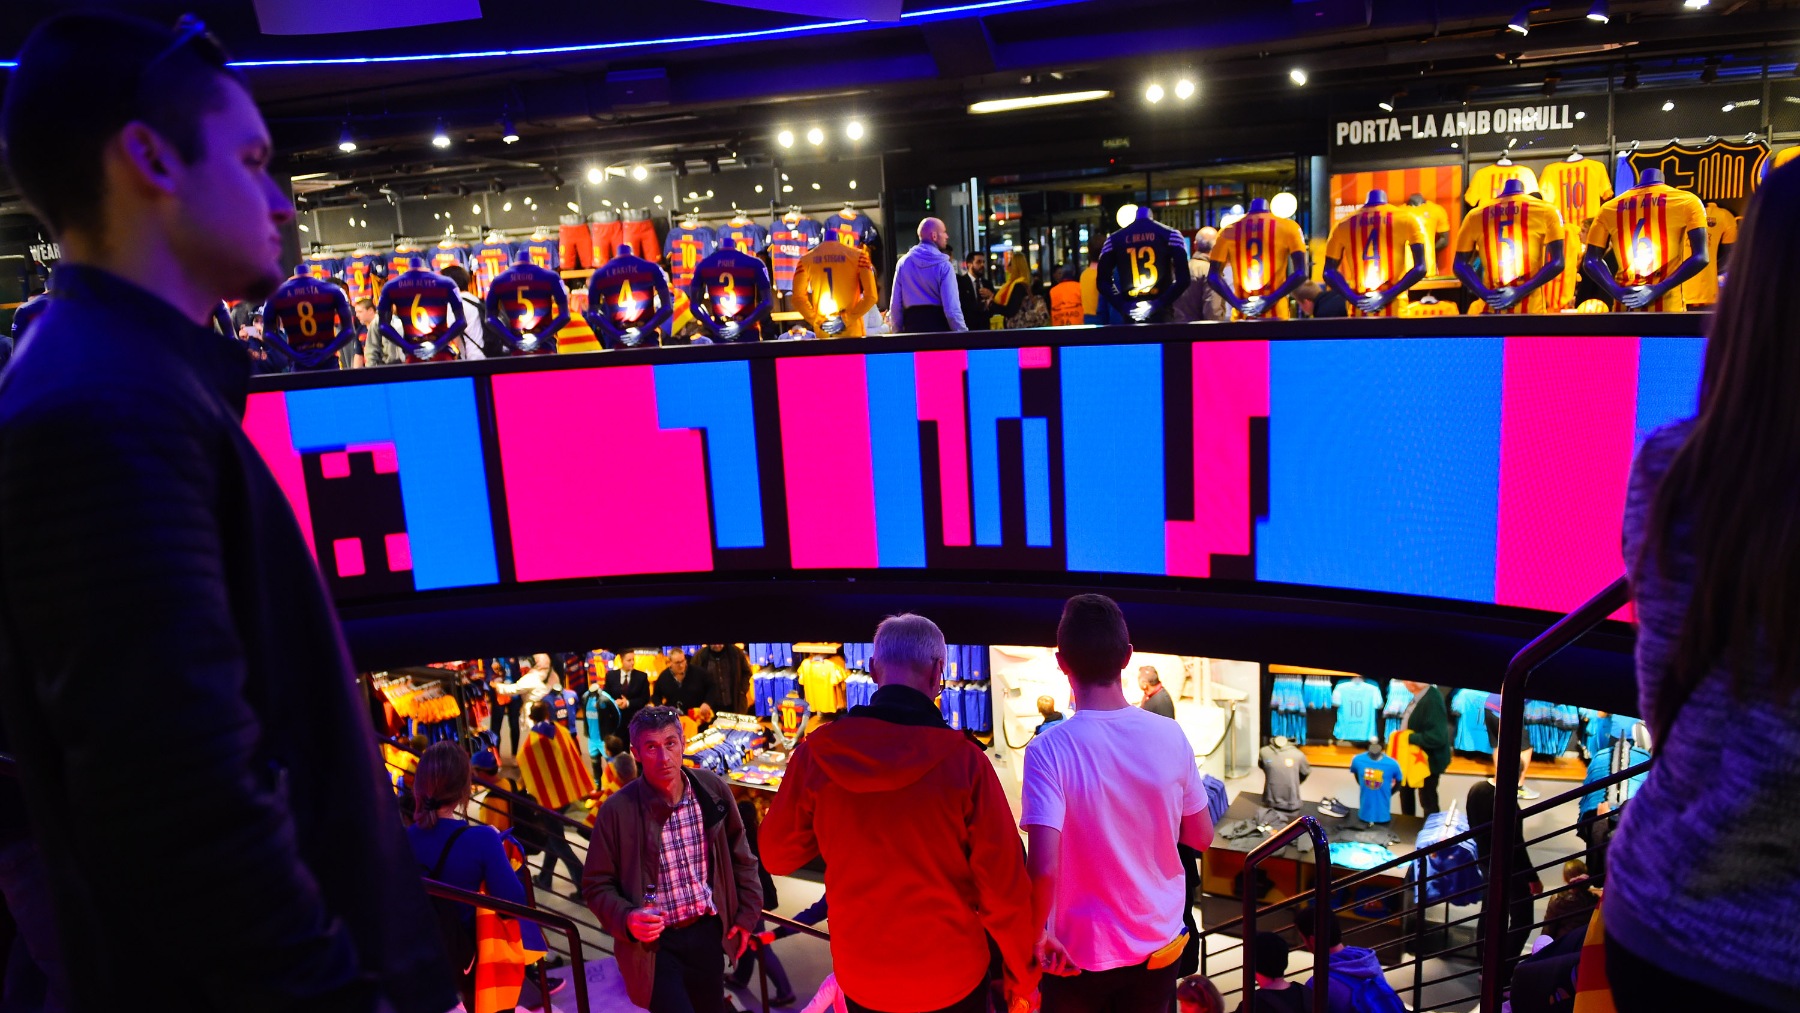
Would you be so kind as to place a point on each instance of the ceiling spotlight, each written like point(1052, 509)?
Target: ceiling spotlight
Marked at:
point(785, 138)
point(346, 141)
point(1184, 89)
point(441, 139)
point(1521, 22)
point(1710, 72)
point(1694, 5)
point(1728, 107)
point(1284, 204)
point(506, 207)
point(572, 206)
point(1630, 81)
point(854, 130)
point(1297, 76)
point(640, 173)
point(853, 184)
point(1669, 106)
point(1597, 13)
point(1153, 94)
point(815, 137)
point(508, 132)
point(1387, 105)
point(759, 188)
point(1007, 105)
point(595, 176)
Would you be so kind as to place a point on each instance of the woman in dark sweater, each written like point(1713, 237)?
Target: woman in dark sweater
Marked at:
point(1429, 722)
point(1018, 289)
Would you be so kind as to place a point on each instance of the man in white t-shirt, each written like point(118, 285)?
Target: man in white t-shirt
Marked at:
point(1108, 794)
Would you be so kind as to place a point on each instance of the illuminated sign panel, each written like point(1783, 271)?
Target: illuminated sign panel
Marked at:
point(1489, 470)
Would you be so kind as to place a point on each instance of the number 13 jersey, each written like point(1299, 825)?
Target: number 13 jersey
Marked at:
point(1146, 253)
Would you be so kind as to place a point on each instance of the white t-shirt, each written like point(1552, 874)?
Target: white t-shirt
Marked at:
point(1116, 784)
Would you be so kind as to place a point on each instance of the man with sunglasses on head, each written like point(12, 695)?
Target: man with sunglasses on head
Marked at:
point(137, 520)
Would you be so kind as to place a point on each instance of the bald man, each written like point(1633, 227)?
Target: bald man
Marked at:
point(925, 297)
point(1199, 301)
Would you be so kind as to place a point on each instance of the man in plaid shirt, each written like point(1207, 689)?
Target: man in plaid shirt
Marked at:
point(676, 831)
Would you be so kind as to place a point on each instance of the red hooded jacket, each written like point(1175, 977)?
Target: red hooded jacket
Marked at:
point(922, 858)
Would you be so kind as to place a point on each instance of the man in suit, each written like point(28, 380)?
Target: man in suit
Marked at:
point(628, 687)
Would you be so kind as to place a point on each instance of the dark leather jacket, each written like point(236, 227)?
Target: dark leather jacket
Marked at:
point(197, 761)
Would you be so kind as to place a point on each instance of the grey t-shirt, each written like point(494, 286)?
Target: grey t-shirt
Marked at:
point(1284, 767)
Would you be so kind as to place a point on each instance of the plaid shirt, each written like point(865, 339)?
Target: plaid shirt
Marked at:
point(682, 890)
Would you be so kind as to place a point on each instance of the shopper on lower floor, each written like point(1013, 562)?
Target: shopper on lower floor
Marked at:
point(550, 827)
point(1274, 992)
point(1702, 900)
point(1570, 909)
point(1108, 795)
point(1429, 722)
point(973, 293)
point(688, 689)
point(628, 687)
point(1196, 994)
point(759, 950)
point(671, 876)
point(1156, 698)
point(1525, 885)
point(727, 668)
point(1017, 292)
point(922, 859)
point(1357, 983)
point(925, 296)
point(138, 524)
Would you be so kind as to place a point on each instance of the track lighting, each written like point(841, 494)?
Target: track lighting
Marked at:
point(1521, 22)
point(508, 132)
point(440, 139)
point(1597, 13)
point(346, 140)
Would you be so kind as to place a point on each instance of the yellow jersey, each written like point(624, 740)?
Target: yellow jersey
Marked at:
point(1257, 249)
point(1577, 189)
point(1090, 292)
point(1648, 228)
point(1721, 230)
point(1559, 292)
point(1435, 222)
point(834, 280)
point(1509, 235)
point(1373, 249)
point(1486, 185)
point(1786, 155)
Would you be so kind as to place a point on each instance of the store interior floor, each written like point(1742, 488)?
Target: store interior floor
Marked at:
point(807, 961)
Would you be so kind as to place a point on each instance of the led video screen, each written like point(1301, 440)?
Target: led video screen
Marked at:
point(1489, 470)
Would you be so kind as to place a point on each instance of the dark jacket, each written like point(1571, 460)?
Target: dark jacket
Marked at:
point(1348, 965)
point(1430, 727)
point(729, 673)
point(137, 521)
point(631, 689)
point(1161, 702)
point(922, 858)
point(686, 694)
point(626, 854)
point(975, 311)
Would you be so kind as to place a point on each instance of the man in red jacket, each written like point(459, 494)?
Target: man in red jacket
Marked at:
point(922, 859)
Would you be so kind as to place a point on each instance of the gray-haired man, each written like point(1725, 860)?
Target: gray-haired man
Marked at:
point(922, 861)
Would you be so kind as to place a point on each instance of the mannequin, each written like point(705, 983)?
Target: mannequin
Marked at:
point(308, 319)
point(1378, 240)
point(730, 293)
point(432, 313)
point(1143, 269)
point(628, 302)
point(1520, 242)
point(519, 303)
point(1721, 232)
point(834, 288)
point(1257, 262)
point(1284, 768)
point(1649, 217)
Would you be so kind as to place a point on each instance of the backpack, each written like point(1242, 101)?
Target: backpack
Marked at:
point(1370, 995)
point(458, 935)
point(1035, 313)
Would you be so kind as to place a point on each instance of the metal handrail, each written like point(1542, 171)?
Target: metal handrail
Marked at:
point(1505, 827)
point(1321, 909)
point(546, 919)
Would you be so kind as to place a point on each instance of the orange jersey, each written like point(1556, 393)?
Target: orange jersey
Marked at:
point(1510, 235)
point(1648, 228)
point(1721, 230)
point(1786, 155)
point(1434, 221)
point(1559, 292)
point(1373, 249)
point(1257, 248)
point(834, 280)
point(1489, 181)
point(1577, 189)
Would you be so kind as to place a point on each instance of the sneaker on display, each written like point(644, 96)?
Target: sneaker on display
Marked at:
point(1332, 807)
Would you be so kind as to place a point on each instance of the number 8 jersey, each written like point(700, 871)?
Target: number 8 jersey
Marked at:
point(311, 316)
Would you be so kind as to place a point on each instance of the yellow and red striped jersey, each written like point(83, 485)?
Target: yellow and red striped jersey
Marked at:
point(1577, 189)
point(1373, 250)
point(1510, 235)
point(1721, 230)
point(1648, 227)
point(1559, 292)
point(1256, 248)
point(1486, 185)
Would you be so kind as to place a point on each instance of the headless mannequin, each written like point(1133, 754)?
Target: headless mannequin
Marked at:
point(541, 340)
point(1255, 306)
point(1508, 296)
point(1639, 296)
point(728, 330)
point(1121, 302)
point(615, 336)
point(1375, 302)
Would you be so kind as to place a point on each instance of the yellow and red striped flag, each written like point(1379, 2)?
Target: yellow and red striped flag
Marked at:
point(555, 772)
point(1593, 989)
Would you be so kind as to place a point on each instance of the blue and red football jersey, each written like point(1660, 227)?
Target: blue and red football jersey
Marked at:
point(324, 265)
point(311, 317)
point(857, 231)
point(544, 253)
point(445, 254)
point(787, 244)
point(364, 273)
point(428, 309)
point(688, 246)
point(628, 301)
point(529, 301)
point(400, 260)
point(750, 237)
point(731, 287)
point(488, 261)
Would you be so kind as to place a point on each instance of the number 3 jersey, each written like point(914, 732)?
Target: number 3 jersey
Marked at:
point(309, 314)
point(1510, 235)
point(1373, 248)
point(1257, 248)
point(731, 285)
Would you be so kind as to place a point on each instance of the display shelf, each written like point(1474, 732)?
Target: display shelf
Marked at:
point(1563, 768)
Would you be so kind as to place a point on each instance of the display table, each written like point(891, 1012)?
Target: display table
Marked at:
point(1291, 871)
